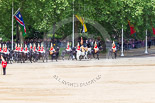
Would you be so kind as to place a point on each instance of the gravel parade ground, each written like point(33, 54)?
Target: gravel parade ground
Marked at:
point(124, 80)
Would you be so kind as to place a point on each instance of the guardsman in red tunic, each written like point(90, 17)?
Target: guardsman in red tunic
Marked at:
point(0, 48)
point(34, 48)
point(25, 50)
point(42, 48)
point(4, 64)
point(68, 48)
point(113, 47)
point(31, 46)
point(21, 49)
point(39, 49)
point(78, 47)
point(3, 48)
point(95, 47)
point(16, 47)
point(51, 49)
point(6, 48)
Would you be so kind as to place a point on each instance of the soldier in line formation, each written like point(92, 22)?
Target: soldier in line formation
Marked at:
point(81, 45)
point(84, 46)
point(19, 48)
point(3, 49)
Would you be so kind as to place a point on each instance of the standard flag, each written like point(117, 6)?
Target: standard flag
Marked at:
point(132, 30)
point(153, 30)
point(19, 19)
point(83, 24)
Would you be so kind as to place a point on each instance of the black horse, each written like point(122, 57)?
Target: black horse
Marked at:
point(71, 54)
point(97, 53)
point(112, 54)
point(55, 54)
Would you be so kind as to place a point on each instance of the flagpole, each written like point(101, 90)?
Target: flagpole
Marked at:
point(16, 11)
point(122, 54)
point(146, 51)
point(12, 26)
point(73, 27)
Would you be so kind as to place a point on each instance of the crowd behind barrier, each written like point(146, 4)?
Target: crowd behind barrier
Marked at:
point(135, 44)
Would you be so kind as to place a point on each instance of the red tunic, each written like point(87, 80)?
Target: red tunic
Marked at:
point(21, 49)
point(34, 48)
point(0, 49)
point(25, 49)
point(68, 47)
point(16, 48)
point(78, 48)
point(114, 47)
point(95, 47)
point(39, 49)
point(42, 48)
point(4, 64)
point(51, 48)
point(31, 47)
point(3, 49)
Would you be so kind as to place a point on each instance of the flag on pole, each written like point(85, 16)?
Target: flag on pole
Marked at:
point(153, 30)
point(132, 30)
point(82, 22)
point(19, 19)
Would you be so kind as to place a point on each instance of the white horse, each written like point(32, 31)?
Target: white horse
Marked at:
point(81, 54)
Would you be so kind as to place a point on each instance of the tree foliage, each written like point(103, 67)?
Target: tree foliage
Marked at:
point(41, 15)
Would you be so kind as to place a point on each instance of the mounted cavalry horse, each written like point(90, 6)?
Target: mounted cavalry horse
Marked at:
point(38, 53)
point(81, 52)
point(95, 51)
point(6, 53)
point(41, 53)
point(71, 52)
point(20, 54)
point(112, 51)
point(54, 53)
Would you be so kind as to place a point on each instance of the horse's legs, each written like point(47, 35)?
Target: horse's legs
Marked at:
point(98, 55)
point(115, 55)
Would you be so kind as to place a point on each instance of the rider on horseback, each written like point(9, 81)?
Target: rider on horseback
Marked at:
point(113, 47)
point(51, 49)
point(18, 48)
point(42, 48)
point(3, 48)
point(26, 49)
point(0, 48)
point(31, 46)
point(96, 49)
point(21, 49)
point(34, 48)
point(39, 48)
point(5, 51)
point(68, 48)
point(78, 47)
